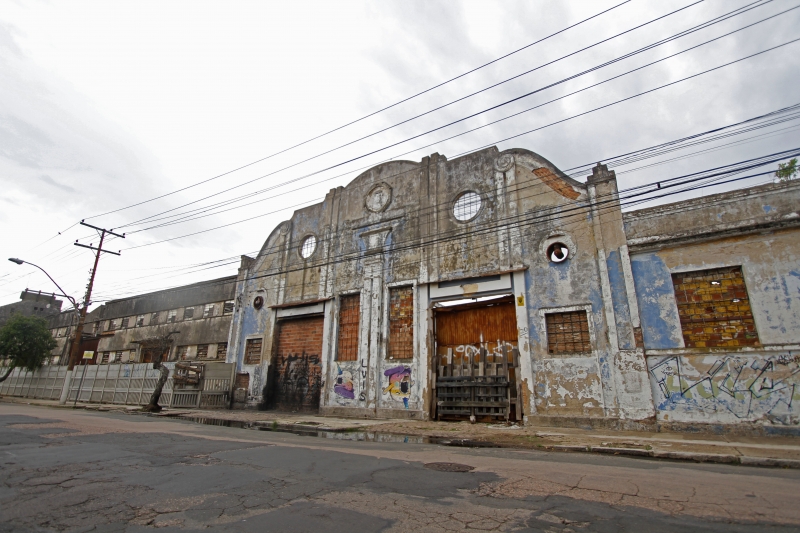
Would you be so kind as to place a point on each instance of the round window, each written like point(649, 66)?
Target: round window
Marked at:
point(467, 206)
point(557, 252)
point(308, 247)
point(258, 301)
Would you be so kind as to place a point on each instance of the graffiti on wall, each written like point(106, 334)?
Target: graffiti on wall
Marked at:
point(728, 388)
point(399, 384)
point(298, 381)
point(345, 382)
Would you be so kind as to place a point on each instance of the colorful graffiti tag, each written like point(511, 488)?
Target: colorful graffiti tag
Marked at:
point(728, 388)
point(400, 383)
point(343, 385)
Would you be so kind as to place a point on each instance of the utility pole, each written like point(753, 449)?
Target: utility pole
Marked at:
point(75, 353)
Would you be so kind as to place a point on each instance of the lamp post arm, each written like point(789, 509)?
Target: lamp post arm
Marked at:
point(64, 294)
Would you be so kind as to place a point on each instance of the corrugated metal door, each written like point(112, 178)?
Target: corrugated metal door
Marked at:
point(296, 367)
point(476, 359)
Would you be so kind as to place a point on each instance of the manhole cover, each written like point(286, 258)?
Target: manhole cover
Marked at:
point(449, 467)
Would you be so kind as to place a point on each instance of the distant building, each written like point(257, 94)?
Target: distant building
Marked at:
point(32, 303)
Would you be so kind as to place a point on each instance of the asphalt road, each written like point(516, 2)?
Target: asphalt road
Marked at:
point(65, 470)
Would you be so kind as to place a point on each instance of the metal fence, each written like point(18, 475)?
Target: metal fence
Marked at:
point(127, 384)
point(46, 383)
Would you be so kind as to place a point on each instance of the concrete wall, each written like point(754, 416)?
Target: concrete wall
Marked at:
point(393, 225)
point(759, 230)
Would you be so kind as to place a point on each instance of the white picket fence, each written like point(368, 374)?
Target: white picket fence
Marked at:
point(126, 384)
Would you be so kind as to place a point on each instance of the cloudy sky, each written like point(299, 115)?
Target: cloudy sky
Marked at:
point(104, 105)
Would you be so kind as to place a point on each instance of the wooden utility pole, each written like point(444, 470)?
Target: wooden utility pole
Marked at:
point(75, 352)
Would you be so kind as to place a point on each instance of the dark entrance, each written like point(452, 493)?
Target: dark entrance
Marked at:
point(477, 361)
point(295, 372)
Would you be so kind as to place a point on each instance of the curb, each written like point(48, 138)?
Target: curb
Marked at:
point(682, 456)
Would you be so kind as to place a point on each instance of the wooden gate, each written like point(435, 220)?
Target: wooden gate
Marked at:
point(295, 372)
point(477, 361)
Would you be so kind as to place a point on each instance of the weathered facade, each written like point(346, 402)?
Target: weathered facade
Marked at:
point(718, 290)
point(421, 282)
point(197, 315)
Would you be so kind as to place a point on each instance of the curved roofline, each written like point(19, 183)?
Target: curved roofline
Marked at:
point(548, 164)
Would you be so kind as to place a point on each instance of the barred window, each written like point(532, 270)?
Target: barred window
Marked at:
point(208, 310)
point(125, 322)
point(118, 357)
point(349, 313)
point(105, 357)
point(188, 313)
point(202, 351)
point(467, 206)
point(714, 308)
point(181, 353)
point(252, 352)
point(171, 315)
point(401, 323)
point(568, 332)
point(227, 307)
point(222, 350)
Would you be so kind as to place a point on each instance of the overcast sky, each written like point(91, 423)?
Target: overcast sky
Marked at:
point(107, 104)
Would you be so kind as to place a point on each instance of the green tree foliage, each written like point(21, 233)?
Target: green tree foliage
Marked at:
point(25, 341)
point(787, 171)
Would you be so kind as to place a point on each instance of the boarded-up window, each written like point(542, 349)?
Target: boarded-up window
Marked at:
point(401, 323)
point(568, 332)
point(714, 308)
point(188, 313)
point(222, 350)
point(181, 352)
point(349, 312)
point(202, 351)
point(227, 308)
point(171, 315)
point(252, 352)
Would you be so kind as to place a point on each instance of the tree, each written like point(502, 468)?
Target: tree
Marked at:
point(787, 171)
point(26, 342)
point(159, 345)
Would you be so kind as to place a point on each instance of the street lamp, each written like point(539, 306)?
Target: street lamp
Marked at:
point(65, 295)
point(76, 314)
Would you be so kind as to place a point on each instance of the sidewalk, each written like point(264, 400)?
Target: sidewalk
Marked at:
point(699, 447)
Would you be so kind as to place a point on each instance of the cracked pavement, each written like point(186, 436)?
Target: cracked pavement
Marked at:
point(65, 470)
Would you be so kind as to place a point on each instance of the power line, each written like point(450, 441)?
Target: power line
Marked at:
point(374, 112)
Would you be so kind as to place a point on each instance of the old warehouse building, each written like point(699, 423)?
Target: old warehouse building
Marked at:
point(494, 285)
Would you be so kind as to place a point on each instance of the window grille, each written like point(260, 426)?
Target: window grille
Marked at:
point(125, 322)
point(568, 332)
point(467, 206)
point(308, 247)
point(181, 352)
point(202, 351)
point(252, 352)
point(349, 313)
point(171, 315)
point(714, 308)
point(401, 323)
point(227, 307)
point(188, 313)
point(208, 310)
point(222, 350)
point(118, 357)
point(105, 357)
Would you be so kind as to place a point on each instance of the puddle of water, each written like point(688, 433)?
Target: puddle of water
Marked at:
point(365, 436)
